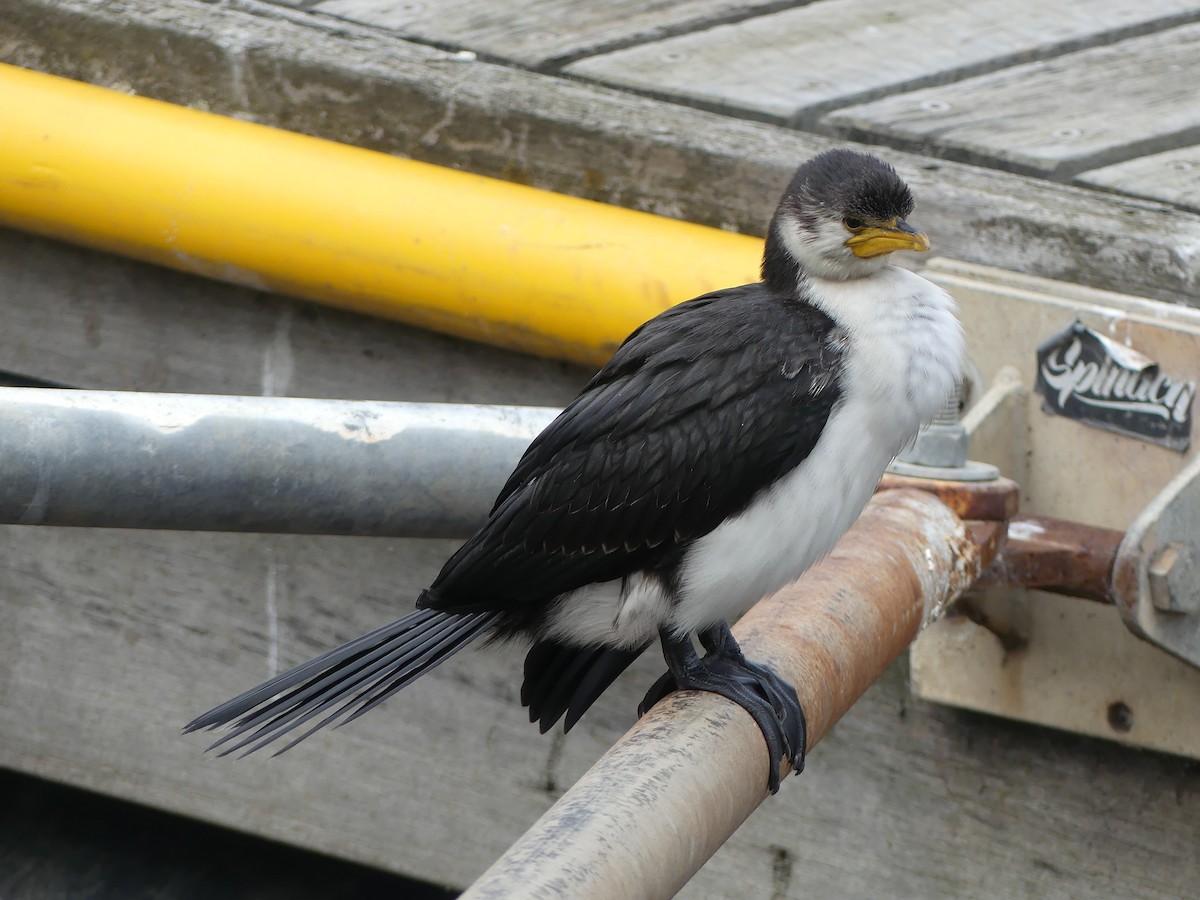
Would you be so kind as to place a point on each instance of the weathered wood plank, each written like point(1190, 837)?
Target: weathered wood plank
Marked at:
point(1172, 177)
point(541, 33)
point(797, 63)
point(111, 640)
point(347, 83)
point(1055, 118)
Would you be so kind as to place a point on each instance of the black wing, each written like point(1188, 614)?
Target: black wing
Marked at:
point(699, 409)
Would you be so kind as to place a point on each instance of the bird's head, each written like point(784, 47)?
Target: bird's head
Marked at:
point(841, 216)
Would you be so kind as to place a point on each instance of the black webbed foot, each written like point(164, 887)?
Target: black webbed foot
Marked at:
point(724, 670)
point(779, 693)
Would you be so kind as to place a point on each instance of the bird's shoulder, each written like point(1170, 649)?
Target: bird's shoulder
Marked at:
point(746, 351)
point(719, 325)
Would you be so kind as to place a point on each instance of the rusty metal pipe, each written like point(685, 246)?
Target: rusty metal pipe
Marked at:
point(992, 501)
point(1055, 555)
point(658, 804)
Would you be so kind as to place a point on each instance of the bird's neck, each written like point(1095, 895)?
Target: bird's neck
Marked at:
point(780, 271)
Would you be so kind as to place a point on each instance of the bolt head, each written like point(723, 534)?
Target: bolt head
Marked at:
point(938, 445)
point(1174, 579)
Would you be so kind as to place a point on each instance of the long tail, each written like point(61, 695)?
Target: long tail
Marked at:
point(359, 676)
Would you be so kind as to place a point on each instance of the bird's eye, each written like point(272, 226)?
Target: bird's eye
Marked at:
point(853, 224)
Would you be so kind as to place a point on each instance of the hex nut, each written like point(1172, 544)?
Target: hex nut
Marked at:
point(938, 445)
point(1173, 583)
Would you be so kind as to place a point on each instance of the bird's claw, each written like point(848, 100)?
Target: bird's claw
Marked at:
point(770, 701)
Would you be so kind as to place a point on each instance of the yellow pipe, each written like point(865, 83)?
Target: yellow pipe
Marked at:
point(459, 253)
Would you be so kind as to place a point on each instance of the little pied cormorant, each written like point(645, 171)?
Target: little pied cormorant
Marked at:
point(725, 447)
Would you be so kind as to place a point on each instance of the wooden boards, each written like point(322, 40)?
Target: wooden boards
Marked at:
point(1172, 176)
point(333, 79)
point(1056, 117)
point(866, 70)
point(537, 33)
point(793, 64)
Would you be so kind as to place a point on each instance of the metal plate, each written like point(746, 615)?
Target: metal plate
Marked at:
point(1029, 655)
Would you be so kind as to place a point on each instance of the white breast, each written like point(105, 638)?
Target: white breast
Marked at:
point(904, 353)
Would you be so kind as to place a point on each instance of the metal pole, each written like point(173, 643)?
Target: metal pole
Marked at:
point(657, 805)
point(471, 256)
point(217, 463)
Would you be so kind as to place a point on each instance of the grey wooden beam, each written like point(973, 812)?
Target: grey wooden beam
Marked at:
point(792, 65)
point(355, 84)
point(1172, 177)
point(1056, 117)
point(81, 318)
point(541, 34)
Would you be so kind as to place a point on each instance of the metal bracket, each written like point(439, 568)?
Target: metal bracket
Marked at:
point(1156, 579)
point(1017, 647)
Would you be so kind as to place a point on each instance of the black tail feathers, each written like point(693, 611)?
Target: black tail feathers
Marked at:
point(345, 682)
point(563, 679)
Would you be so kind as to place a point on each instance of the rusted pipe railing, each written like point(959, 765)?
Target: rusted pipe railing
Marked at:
point(1048, 554)
point(1039, 552)
point(657, 805)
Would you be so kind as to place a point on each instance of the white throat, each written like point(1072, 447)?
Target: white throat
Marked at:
point(908, 343)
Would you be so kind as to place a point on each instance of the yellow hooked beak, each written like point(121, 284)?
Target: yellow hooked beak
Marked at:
point(876, 240)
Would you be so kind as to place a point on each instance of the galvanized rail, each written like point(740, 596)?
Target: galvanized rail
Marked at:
point(271, 464)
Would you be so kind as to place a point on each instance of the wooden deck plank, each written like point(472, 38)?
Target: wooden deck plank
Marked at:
point(1057, 117)
point(795, 64)
point(1172, 177)
point(98, 624)
point(120, 325)
point(541, 33)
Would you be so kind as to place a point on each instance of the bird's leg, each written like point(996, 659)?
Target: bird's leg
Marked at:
point(718, 641)
point(725, 671)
